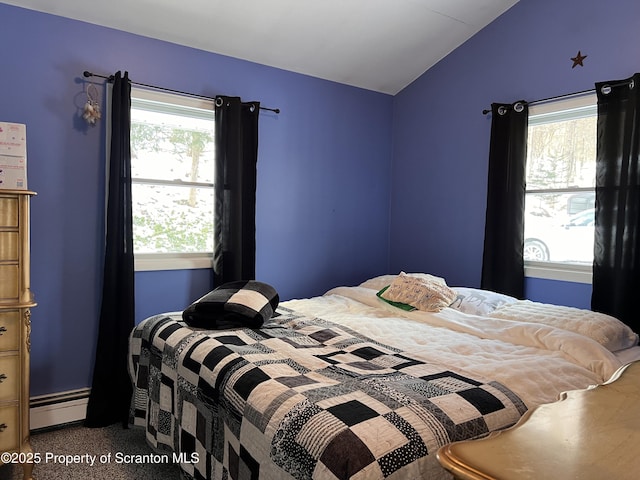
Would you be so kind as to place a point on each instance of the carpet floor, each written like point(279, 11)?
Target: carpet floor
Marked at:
point(117, 454)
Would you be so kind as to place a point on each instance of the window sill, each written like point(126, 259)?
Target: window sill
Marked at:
point(147, 262)
point(559, 271)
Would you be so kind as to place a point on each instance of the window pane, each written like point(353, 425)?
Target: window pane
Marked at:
point(167, 146)
point(169, 219)
point(561, 154)
point(561, 167)
point(559, 227)
point(172, 143)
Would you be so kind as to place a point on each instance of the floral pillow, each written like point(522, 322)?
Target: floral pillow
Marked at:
point(403, 306)
point(424, 294)
point(379, 282)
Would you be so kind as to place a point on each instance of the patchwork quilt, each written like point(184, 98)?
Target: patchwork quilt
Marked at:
point(301, 398)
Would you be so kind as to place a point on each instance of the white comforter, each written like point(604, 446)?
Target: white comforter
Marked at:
point(537, 362)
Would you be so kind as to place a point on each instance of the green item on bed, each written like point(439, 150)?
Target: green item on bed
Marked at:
point(400, 305)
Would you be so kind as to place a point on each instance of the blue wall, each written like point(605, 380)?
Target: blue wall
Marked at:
point(323, 177)
point(441, 137)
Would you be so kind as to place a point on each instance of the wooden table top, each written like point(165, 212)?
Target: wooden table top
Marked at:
point(591, 434)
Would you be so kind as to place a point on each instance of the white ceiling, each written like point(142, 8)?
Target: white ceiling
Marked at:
point(380, 45)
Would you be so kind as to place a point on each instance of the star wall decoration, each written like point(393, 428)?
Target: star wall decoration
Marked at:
point(578, 59)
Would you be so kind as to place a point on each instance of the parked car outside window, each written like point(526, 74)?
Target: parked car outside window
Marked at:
point(546, 240)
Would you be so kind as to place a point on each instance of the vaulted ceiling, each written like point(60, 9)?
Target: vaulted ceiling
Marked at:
point(379, 45)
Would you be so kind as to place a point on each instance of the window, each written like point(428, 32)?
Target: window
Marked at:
point(560, 195)
point(172, 168)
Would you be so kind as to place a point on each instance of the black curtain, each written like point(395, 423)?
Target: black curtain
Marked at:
point(616, 264)
point(502, 262)
point(236, 147)
point(111, 387)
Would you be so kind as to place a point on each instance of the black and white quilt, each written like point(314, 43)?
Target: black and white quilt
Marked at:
point(301, 398)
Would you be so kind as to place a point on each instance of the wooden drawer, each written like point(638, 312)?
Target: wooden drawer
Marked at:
point(8, 211)
point(9, 246)
point(9, 377)
point(9, 330)
point(9, 428)
point(9, 283)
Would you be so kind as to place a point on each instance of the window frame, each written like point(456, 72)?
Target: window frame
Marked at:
point(172, 261)
point(559, 270)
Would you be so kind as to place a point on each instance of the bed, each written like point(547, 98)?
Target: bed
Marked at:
point(353, 385)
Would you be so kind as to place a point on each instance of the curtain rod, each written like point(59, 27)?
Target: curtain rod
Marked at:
point(549, 99)
point(109, 78)
point(575, 94)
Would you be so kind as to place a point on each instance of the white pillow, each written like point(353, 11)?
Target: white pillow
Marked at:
point(608, 331)
point(479, 302)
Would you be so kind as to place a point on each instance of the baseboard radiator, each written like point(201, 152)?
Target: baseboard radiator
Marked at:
point(57, 409)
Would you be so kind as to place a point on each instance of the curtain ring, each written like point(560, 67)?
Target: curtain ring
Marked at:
point(502, 110)
point(606, 89)
point(518, 107)
point(219, 101)
point(631, 84)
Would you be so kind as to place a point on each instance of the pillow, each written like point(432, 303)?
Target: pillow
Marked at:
point(427, 295)
point(403, 306)
point(479, 302)
point(377, 283)
point(243, 303)
point(608, 331)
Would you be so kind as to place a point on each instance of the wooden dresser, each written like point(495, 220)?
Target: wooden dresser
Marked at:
point(591, 434)
point(16, 301)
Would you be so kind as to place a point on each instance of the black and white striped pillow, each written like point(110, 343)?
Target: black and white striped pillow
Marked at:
point(243, 303)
